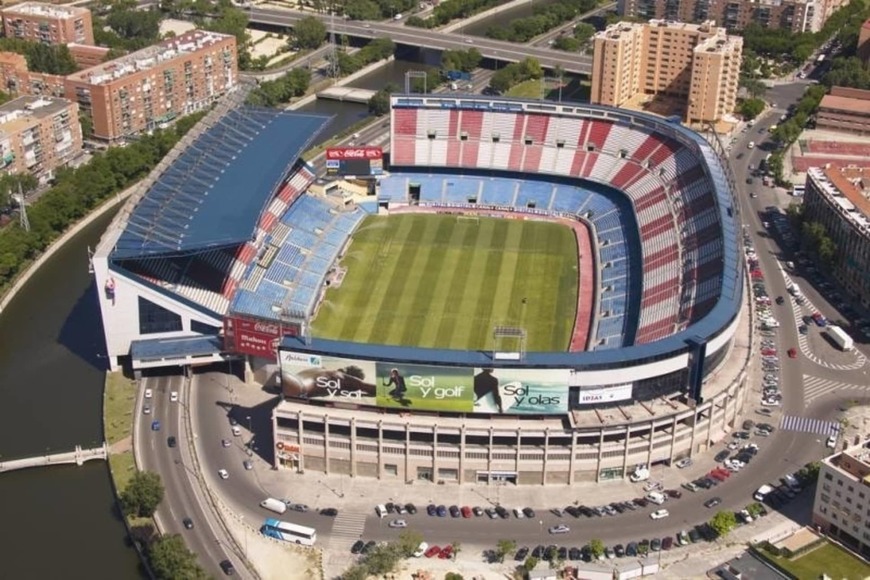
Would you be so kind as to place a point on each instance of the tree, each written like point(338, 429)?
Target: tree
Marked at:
point(170, 559)
point(567, 43)
point(408, 542)
point(583, 32)
point(453, 576)
point(751, 108)
point(379, 104)
point(530, 563)
point(723, 522)
point(596, 548)
point(503, 548)
point(143, 494)
point(754, 87)
point(310, 32)
point(457, 547)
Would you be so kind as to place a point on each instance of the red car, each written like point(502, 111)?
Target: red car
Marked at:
point(466, 512)
point(792, 353)
point(768, 351)
point(433, 551)
point(446, 552)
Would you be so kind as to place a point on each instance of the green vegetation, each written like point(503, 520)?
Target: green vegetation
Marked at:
point(384, 557)
point(582, 34)
point(77, 191)
point(44, 58)
point(375, 9)
point(451, 10)
point(530, 89)
point(515, 73)
point(214, 15)
point(596, 548)
point(171, 560)
point(143, 494)
point(503, 548)
point(281, 90)
point(543, 19)
point(379, 104)
point(120, 26)
point(723, 522)
point(828, 558)
point(120, 398)
point(751, 108)
point(461, 60)
point(442, 281)
point(377, 49)
point(309, 32)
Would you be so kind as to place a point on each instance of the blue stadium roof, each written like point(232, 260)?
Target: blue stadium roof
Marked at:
point(162, 348)
point(213, 194)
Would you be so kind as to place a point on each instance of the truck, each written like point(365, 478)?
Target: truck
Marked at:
point(274, 505)
point(840, 338)
point(762, 492)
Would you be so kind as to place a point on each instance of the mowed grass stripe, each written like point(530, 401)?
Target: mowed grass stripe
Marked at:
point(473, 236)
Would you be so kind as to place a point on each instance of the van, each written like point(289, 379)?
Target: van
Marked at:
point(381, 510)
point(274, 505)
point(656, 497)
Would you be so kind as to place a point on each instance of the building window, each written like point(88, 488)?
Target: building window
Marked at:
point(825, 497)
point(154, 318)
point(203, 328)
point(391, 469)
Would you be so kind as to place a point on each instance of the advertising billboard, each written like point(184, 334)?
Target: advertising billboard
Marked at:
point(425, 388)
point(521, 391)
point(354, 161)
point(313, 376)
point(608, 394)
point(255, 337)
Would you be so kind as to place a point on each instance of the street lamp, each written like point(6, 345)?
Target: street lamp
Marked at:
point(250, 436)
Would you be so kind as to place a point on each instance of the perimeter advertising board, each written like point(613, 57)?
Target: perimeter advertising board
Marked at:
point(255, 337)
point(608, 394)
point(354, 161)
point(521, 391)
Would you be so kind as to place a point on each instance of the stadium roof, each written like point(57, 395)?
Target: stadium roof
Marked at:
point(213, 194)
point(162, 348)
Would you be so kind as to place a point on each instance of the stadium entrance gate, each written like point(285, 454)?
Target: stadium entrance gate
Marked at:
point(497, 477)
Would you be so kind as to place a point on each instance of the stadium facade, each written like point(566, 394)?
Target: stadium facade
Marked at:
point(199, 268)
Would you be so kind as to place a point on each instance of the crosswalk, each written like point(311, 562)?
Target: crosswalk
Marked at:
point(816, 387)
point(346, 529)
point(808, 425)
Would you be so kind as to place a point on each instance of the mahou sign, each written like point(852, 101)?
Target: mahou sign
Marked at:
point(256, 337)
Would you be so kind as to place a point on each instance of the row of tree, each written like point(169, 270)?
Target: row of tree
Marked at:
point(582, 34)
point(376, 9)
point(383, 558)
point(377, 49)
point(515, 73)
point(451, 10)
point(78, 191)
point(544, 18)
point(274, 93)
point(44, 58)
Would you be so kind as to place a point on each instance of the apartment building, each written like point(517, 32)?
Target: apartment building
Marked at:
point(48, 23)
point(143, 89)
point(837, 198)
point(842, 504)
point(17, 80)
point(696, 63)
point(38, 135)
point(794, 15)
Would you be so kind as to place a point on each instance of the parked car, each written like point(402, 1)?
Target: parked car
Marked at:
point(685, 462)
point(792, 353)
point(432, 552)
point(667, 543)
point(329, 512)
point(559, 529)
point(411, 508)
point(432, 509)
point(446, 552)
point(369, 546)
point(721, 456)
point(357, 547)
point(712, 502)
point(660, 514)
point(171, 441)
point(455, 512)
point(521, 554)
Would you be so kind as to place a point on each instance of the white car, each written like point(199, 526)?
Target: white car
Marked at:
point(421, 549)
point(399, 523)
point(560, 529)
point(223, 474)
point(774, 403)
point(831, 442)
point(751, 145)
point(659, 514)
point(685, 462)
point(518, 513)
point(148, 393)
point(173, 396)
point(237, 430)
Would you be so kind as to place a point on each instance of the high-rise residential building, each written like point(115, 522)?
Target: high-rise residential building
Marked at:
point(38, 135)
point(143, 89)
point(48, 23)
point(794, 15)
point(842, 504)
point(839, 199)
point(697, 63)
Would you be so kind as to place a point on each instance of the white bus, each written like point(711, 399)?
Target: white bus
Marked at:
point(289, 532)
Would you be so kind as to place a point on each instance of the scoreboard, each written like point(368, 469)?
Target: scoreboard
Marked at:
point(357, 161)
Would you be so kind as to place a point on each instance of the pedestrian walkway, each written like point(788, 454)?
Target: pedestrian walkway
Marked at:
point(347, 529)
point(816, 387)
point(807, 425)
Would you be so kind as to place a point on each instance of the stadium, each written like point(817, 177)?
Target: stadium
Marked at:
point(531, 293)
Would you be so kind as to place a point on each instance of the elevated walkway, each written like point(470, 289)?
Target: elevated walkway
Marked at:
point(77, 457)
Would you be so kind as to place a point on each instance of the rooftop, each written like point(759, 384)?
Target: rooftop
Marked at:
point(213, 194)
point(848, 104)
point(854, 461)
point(23, 111)
point(150, 57)
point(849, 187)
point(45, 10)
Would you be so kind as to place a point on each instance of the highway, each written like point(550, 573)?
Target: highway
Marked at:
point(434, 39)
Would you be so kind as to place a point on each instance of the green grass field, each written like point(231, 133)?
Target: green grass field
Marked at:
point(829, 559)
point(444, 281)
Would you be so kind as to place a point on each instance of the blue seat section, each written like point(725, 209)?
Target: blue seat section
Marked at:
point(289, 254)
point(393, 189)
point(431, 187)
point(534, 192)
point(459, 189)
point(568, 199)
point(498, 192)
point(598, 205)
point(607, 221)
point(612, 329)
point(612, 252)
point(252, 303)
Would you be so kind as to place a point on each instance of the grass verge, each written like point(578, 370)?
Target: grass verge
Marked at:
point(120, 402)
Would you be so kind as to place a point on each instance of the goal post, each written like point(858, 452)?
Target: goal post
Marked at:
point(468, 219)
point(509, 342)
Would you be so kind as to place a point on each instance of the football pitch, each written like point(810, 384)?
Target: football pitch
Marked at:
point(445, 281)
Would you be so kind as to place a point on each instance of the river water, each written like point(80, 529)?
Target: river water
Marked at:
point(61, 521)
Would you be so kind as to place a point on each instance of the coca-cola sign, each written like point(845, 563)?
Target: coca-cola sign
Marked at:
point(354, 153)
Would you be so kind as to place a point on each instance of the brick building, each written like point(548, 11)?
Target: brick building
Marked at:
point(846, 110)
point(48, 23)
point(38, 135)
point(17, 80)
point(143, 89)
point(696, 63)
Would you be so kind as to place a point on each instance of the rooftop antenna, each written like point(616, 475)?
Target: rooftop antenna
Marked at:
point(22, 210)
